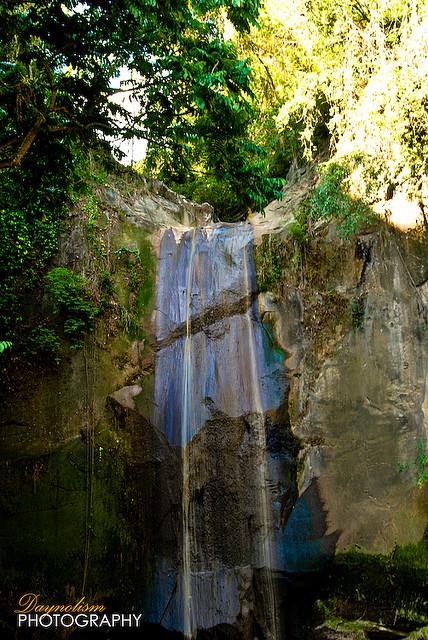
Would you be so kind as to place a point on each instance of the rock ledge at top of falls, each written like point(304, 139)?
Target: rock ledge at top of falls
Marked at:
point(153, 205)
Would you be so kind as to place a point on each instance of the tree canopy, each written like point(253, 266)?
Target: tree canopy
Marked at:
point(349, 79)
point(59, 69)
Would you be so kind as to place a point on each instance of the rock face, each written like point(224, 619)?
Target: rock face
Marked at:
point(358, 385)
point(80, 463)
point(162, 463)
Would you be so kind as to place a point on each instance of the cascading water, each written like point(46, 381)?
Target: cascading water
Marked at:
point(219, 380)
point(185, 438)
point(265, 556)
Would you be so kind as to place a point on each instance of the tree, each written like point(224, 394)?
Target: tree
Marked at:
point(59, 60)
point(348, 78)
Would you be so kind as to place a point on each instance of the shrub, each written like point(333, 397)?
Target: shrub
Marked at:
point(330, 200)
point(73, 302)
point(419, 464)
point(392, 588)
point(44, 342)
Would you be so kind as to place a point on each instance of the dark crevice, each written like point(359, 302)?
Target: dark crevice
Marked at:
point(421, 284)
point(207, 318)
point(363, 251)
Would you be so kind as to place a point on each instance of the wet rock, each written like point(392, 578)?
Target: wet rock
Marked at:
point(217, 279)
point(206, 282)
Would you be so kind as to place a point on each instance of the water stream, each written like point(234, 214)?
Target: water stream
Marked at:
point(219, 381)
point(185, 438)
point(265, 552)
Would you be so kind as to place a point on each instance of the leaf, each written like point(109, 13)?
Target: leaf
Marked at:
point(5, 344)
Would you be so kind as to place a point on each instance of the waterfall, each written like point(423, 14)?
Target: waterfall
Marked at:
point(265, 552)
point(217, 378)
point(185, 439)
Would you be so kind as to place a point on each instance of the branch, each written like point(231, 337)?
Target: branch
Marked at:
point(60, 127)
point(30, 136)
point(263, 63)
point(268, 73)
point(25, 145)
point(9, 143)
point(138, 87)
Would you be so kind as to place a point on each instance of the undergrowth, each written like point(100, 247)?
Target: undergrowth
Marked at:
point(418, 466)
point(390, 588)
point(72, 302)
point(331, 200)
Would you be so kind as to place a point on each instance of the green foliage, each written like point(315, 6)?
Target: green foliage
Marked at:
point(16, 244)
point(298, 228)
point(419, 634)
point(269, 258)
point(5, 344)
point(92, 210)
point(218, 164)
point(279, 255)
point(349, 78)
point(330, 200)
point(292, 107)
point(72, 302)
point(392, 587)
point(60, 65)
point(45, 343)
point(422, 464)
point(138, 266)
point(419, 464)
point(33, 200)
point(106, 289)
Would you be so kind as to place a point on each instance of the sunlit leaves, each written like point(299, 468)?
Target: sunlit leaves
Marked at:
point(5, 344)
point(67, 54)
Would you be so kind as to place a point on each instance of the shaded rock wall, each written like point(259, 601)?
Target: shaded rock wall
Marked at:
point(357, 342)
point(79, 462)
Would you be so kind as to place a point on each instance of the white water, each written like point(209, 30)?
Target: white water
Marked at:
point(186, 430)
point(265, 552)
point(224, 364)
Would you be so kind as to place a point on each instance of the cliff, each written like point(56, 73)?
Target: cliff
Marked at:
point(92, 480)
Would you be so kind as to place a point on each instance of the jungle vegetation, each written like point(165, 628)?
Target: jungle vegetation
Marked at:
point(228, 94)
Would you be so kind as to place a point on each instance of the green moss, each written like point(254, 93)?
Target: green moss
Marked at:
point(358, 311)
point(270, 261)
point(56, 505)
point(34, 198)
point(133, 279)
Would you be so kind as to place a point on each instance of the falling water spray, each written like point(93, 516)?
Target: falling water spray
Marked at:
point(186, 433)
point(215, 372)
point(264, 558)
